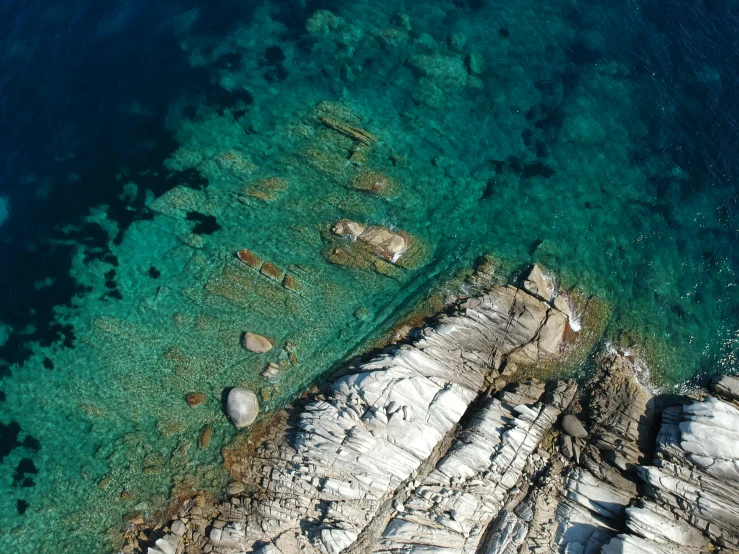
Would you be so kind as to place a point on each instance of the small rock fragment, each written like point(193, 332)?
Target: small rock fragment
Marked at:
point(235, 488)
point(249, 258)
point(272, 271)
point(178, 527)
point(205, 436)
point(271, 371)
point(565, 444)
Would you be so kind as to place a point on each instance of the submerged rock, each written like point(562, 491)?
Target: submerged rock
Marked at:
point(195, 399)
point(242, 406)
point(257, 343)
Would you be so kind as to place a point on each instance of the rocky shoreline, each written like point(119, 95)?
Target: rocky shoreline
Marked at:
point(434, 447)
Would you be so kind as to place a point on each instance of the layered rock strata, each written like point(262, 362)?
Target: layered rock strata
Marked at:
point(617, 497)
point(453, 505)
point(410, 453)
point(344, 458)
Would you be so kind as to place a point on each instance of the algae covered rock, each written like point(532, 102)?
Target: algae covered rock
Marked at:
point(242, 407)
point(195, 399)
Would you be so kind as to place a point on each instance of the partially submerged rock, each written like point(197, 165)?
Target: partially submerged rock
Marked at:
point(384, 242)
point(257, 343)
point(242, 406)
point(539, 284)
point(376, 183)
point(727, 386)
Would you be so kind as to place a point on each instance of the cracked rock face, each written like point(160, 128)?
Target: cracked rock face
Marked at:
point(356, 469)
point(407, 454)
point(626, 495)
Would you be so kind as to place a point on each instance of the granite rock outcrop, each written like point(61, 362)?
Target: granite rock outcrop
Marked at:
point(422, 450)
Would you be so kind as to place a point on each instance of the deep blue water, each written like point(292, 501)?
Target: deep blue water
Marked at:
point(86, 95)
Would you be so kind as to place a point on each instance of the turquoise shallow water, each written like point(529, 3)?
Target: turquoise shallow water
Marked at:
point(535, 133)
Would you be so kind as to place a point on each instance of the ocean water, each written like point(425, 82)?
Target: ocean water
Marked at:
point(145, 143)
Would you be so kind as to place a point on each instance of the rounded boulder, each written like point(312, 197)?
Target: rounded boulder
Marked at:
point(242, 407)
point(572, 426)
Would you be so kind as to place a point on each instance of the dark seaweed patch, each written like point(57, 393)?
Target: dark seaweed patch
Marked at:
point(48, 364)
point(537, 169)
point(8, 438)
point(116, 294)
point(274, 55)
point(206, 224)
point(24, 468)
point(515, 165)
point(154, 273)
point(505, 33)
point(31, 443)
point(21, 506)
point(228, 60)
point(526, 136)
point(489, 189)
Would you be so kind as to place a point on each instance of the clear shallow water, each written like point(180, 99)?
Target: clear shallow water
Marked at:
point(597, 140)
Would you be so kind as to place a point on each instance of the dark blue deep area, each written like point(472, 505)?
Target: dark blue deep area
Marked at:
point(69, 71)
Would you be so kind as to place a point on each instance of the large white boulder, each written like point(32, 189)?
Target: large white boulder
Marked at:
point(242, 406)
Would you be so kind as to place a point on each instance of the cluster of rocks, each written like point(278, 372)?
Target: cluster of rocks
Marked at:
point(415, 452)
point(381, 240)
point(657, 475)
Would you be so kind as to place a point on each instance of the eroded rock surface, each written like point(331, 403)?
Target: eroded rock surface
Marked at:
point(411, 453)
point(335, 476)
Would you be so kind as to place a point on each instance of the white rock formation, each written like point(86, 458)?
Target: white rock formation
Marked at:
point(453, 506)
point(406, 455)
point(242, 407)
